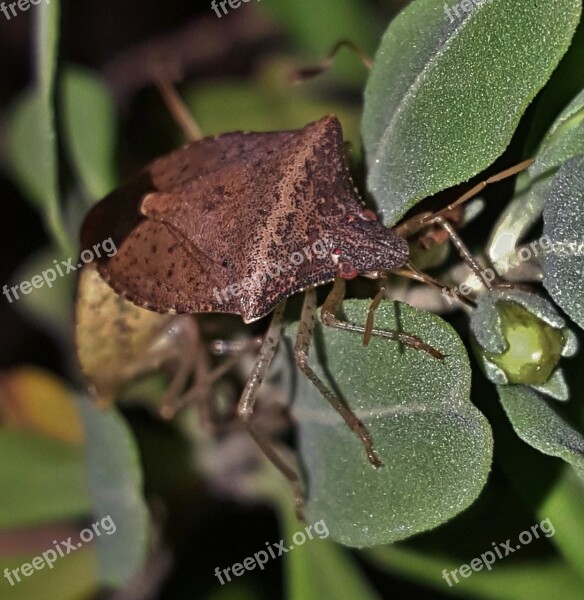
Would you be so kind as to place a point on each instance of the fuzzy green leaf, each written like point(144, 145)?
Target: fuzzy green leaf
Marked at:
point(563, 141)
point(435, 446)
point(445, 96)
point(563, 219)
point(86, 101)
point(538, 425)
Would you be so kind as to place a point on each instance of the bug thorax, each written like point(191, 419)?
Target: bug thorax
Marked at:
point(364, 246)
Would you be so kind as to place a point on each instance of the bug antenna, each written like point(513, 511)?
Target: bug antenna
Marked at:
point(479, 187)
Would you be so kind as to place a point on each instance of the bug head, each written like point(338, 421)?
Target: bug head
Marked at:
point(367, 247)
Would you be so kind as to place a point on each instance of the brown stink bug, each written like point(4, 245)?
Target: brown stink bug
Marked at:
point(200, 230)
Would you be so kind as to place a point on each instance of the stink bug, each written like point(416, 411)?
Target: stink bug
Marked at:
point(197, 230)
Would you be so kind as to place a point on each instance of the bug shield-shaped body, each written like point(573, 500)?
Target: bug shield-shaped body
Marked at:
point(239, 222)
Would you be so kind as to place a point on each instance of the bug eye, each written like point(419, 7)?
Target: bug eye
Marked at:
point(225, 263)
point(351, 218)
point(336, 252)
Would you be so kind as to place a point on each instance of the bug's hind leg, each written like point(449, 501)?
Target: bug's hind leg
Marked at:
point(248, 400)
point(301, 349)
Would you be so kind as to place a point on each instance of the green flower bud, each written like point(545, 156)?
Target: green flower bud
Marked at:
point(533, 349)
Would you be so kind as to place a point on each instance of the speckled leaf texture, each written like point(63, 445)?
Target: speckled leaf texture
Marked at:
point(563, 219)
point(564, 140)
point(435, 445)
point(538, 425)
point(445, 96)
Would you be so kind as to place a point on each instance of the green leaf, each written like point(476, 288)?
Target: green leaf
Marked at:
point(42, 480)
point(444, 98)
point(71, 578)
point(87, 101)
point(435, 446)
point(504, 582)
point(49, 306)
point(32, 137)
point(538, 425)
point(565, 83)
point(563, 219)
point(320, 568)
point(44, 143)
point(27, 159)
point(115, 481)
point(564, 140)
point(564, 506)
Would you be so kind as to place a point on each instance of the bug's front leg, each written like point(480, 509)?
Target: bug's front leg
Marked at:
point(301, 349)
point(248, 400)
point(331, 308)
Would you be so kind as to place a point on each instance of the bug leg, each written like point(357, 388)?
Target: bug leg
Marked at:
point(248, 399)
point(193, 358)
point(188, 351)
point(233, 352)
point(301, 349)
point(302, 74)
point(469, 258)
point(423, 220)
point(332, 305)
point(176, 106)
point(371, 313)
point(461, 247)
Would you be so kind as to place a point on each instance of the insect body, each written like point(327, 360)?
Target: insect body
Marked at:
point(219, 211)
point(215, 214)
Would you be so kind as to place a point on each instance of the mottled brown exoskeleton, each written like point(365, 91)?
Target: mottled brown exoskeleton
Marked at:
point(232, 224)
